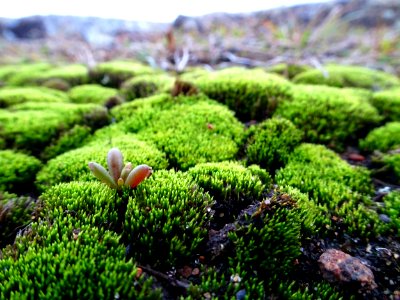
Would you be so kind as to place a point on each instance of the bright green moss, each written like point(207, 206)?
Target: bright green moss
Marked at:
point(92, 93)
point(147, 85)
point(67, 262)
point(339, 189)
point(68, 140)
point(113, 73)
point(348, 76)
point(15, 213)
point(73, 74)
point(392, 166)
point(251, 94)
point(392, 209)
point(12, 73)
point(328, 115)
point(388, 104)
point(166, 219)
point(15, 95)
point(270, 143)
point(194, 133)
point(314, 290)
point(384, 138)
point(73, 165)
point(17, 171)
point(288, 70)
point(32, 126)
point(228, 182)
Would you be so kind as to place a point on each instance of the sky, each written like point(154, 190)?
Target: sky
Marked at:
point(145, 10)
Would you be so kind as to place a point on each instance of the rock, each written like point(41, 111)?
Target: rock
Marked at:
point(356, 157)
point(29, 28)
point(338, 266)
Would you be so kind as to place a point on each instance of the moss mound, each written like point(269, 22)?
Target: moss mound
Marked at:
point(252, 94)
point(288, 70)
point(147, 85)
point(17, 171)
point(328, 115)
point(91, 93)
point(392, 209)
point(348, 76)
point(11, 73)
point(166, 219)
point(391, 164)
point(16, 95)
point(340, 190)
point(388, 104)
point(33, 126)
point(270, 143)
point(383, 138)
point(73, 165)
point(113, 73)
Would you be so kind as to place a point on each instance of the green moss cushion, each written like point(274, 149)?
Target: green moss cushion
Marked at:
point(388, 104)
point(383, 138)
point(113, 73)
point(342, 189)
point(288, 70)
point(348, 76)
point(270, 143)
point(11, 73)
point(73, 165)
point(251, 94)
point(91, 93)
point(16, 95)
point(17, 171)
point(328, 115)
point(392, 209)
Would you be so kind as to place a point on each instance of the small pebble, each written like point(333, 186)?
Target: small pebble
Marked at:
point(240, 295)
point(384, 218)
point(356, 157)
point(195, 272)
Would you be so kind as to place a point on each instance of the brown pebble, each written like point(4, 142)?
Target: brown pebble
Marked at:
point(195, 272)
point(186, 271)
point(207, 295)
point(139, 272)
point(356, 157)
point(202, 259)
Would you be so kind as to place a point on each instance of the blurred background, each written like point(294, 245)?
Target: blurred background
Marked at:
point(178, 34)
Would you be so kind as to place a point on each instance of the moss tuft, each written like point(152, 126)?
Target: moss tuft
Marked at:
point(147, 85)
point(348, 76)
point(15, 95)
point(340, 190)
point(113, 73)
point(388, 104)
point(13, 74)
point(166, 219)
point(270, 143)
point(73, 165)
point(384, 138)
point(252, 94)
point(392, 209)
point(91, 93)
point(328, 115)
point(288, 70)
point(17, 171)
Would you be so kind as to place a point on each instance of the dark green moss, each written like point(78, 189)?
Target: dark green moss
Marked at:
point(328, 115)
point(17, 171)
point(392, 210)
point(73, 165)
point(348, 76)
point(270, 143)
point(147, 85)
point(383, 138)
point(166, 219)
point(251, 94)
point(339, 189)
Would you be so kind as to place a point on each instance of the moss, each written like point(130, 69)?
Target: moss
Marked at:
point(348, 76)
point(288, 70)
point(328, 115)
point(392, 210)
point(388, 104)
point(68, 140)
point(11, 96)
point(270, 143)
point(194, 133)
point(73, 74)
point(392, 166)
point(73, 165)
point(92, 93)
point(17, 171)
point(340, 190)
point(383, 138)
point(146, 85)
point(252, 94)
point(12, 74)
point(15, 213)
point(113, 73)
point(66, 262)
point(32, 126)
point(166, 219)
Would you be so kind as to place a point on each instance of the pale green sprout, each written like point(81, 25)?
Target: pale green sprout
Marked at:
point(119, 175)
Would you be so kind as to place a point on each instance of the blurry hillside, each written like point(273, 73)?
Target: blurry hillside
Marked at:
point(362, 32)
